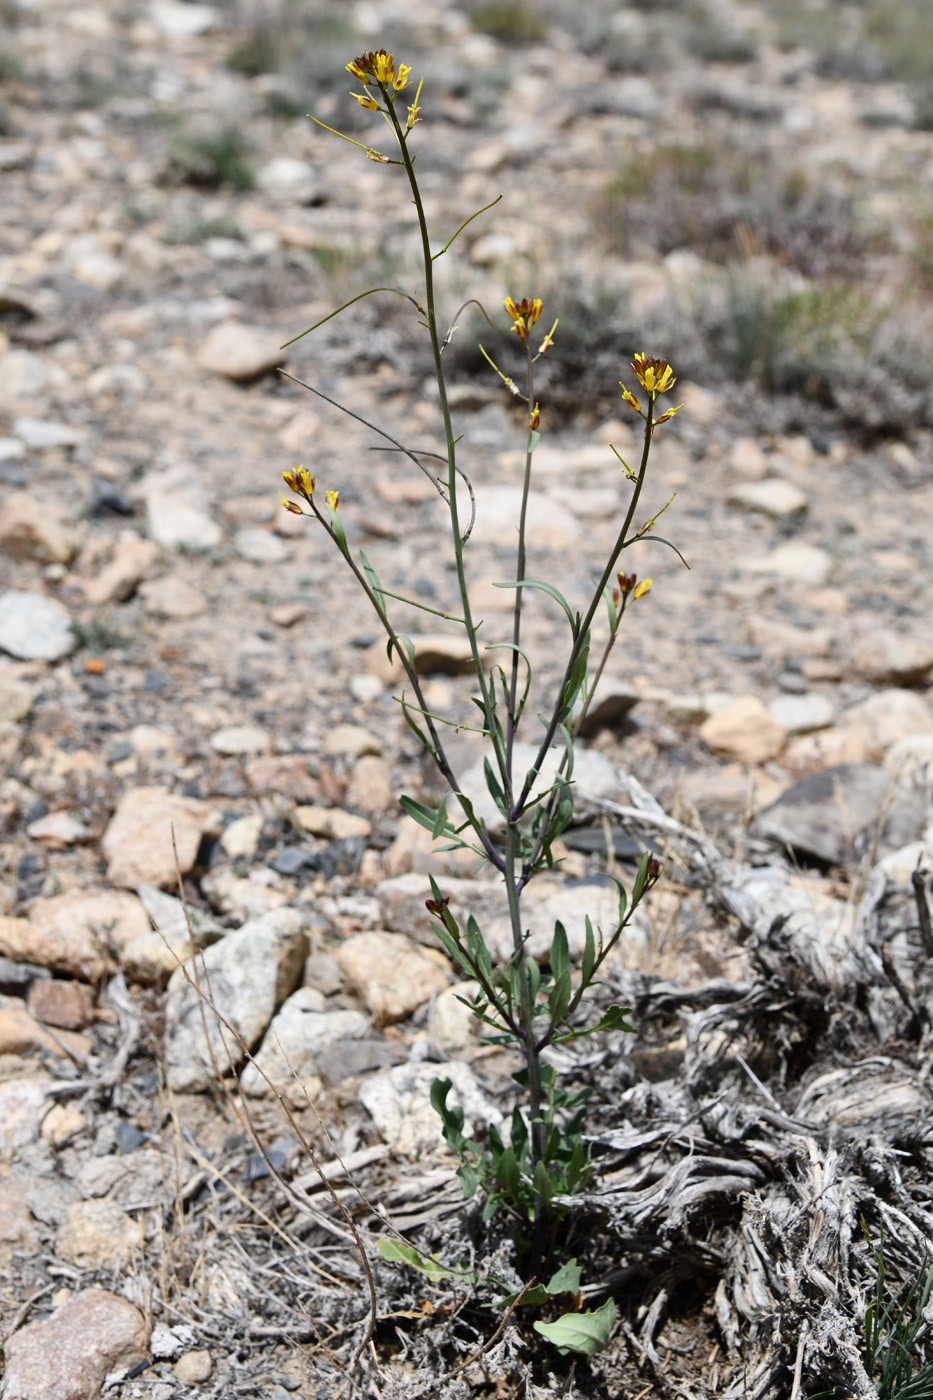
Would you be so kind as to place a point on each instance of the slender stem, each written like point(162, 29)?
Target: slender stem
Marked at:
point(519, 592)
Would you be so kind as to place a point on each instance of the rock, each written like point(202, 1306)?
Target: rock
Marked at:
point(62, 1123)
point(547, 900)
point(40, 434)
point(614, 702)
point(98, 1235)
point(351, 739)
point(34, 628)
point(331, 822)
point(883, 719)
point(58, 830)
point(399, 1103)
point(241, 837)
point(69, 1005)
point(182, 21)
point(371, 788)
point(889, 658)
point(799, 714)
point(132, 560)
point(171, 597)
point(241, 739)
point(20, 1032)
point(780, 640)
point(747, 459)
point(453, 1024)
point(240, 899)
point(284, 775)
point(246, 976)
point(18, 1231)
point(434, 654)
point(73, 933)
point(898, 866)
point(241, 353)
point(193, 1367)
point(176, 523)
point(773, 496)
point(911, 758)
point(33, 529)
point(744, 731)
point(17, 693)
point(797, 561)
point(391, 975)
point(21, 1102)
point(69, 1355)
point(288, 178)
point(260, 546)
point(288, 614)
point(296, 1036)
point(834, 816)
point(153, 955)
point(149, 828)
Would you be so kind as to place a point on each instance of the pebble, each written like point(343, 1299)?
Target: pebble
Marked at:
point(182, 21)
point(331, 822)
point(241, 837)
point(453, 1025)
point(249, 973)
point(745, 731)
point(614, 702)
point(797, 561)
point(131, 562)
point(351, 739)
point(890, 658)
point(392, 975)
point(71, 933)
point(33, 529)
point(399, 1103)
point(799, 714)
point(371, 788)
point(260, 546)
point(193, 1367)
point(18, 1231)
point(69, 1005)
point(240, 352)
point(21, 1102)
point(98, 1235)
point(69, 1355)
point(239, 739)
point(176, 523)
point(287, 178)
point(285, 775)
point(150, 827)
point(20, 1032)
point(35, 628)
point(434, 654)
point(171, 597)
point(152, 956)
point(288, 614)
point(774, 496)
point(59, 830)
point(39, 434)
point(748, 460)
point(912, 759)
point(296, 1036)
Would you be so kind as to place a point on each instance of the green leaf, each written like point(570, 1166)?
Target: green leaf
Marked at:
point(542, 1182)
point(560, 951)
point(393, 644)
point(395, 1252)
point(641, 879)
point(509, 1176)
point(336, 525)
point(469, 1179)
point(424, 816)
point(533, 973)
point(373, 580)
point(589, 953)
point(440, 821)
point(534, 437)
point(566, 1280)
point(495, 788)
point(551, 591)
point(586, 1332)
point(559, 999)
point(613, 1019)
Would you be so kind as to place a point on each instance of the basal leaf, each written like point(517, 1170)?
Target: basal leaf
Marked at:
point(586, 1332)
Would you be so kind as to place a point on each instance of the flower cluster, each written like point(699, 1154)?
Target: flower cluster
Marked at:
point(523, 314)
point(381, 67)
point(628, 584)
point(655, 377)
point(302, 483)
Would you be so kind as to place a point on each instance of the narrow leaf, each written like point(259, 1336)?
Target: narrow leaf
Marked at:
point(395, 1252)
point(552, 592)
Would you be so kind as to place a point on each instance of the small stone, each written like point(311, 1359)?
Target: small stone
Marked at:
point(744, 731)
point(69, 1005)
point(889, 658)
point(34, 628)
point(799, 714)
point(17, 693)
point(299, 1032)
point(878, 722)
point(911, 758)
point(32, 529)
point(613, 704)
point(801, 563)
point(834, 815)
point(171, 597)
point(21, 1102)
point(453, 1024)
point(399, 1103)
point(773, 496)
point(17, 1226)
point(249, 973)
point(150, 827)
point(331, 822)
point(182, 21)
point(176, 523)
point(288, 614)
point(260, 546)
point(40, 434)
point(132, 560)
point(72, 933)
point(153, 955)
point(240, 899)
point(241, 838)
point(284, 775)
point(352, 740)
point(443, 654)
point(241, 353)
point(20, 1032)
point(62, 1123)
point(193, 1367)
point(59, 830)
point(392, 975)
point(365, 688)
point(288, 178)
point(747, 459)
point(238, 739)
point(98, 1234)
point(780, 640)
point(69, 1355)
point(371, 788)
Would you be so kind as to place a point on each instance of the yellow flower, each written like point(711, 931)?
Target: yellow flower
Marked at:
point(332, 499)
point(535, 419)
point(301, 481)
point(383, 68)
point(669, 414)
point(364, 99)
point(630, 399)
point(642, 588)
point(357, 69)
point(523, 314)
point(401, 78)
point(293, 506)
point(654, 375)
point(414, 111)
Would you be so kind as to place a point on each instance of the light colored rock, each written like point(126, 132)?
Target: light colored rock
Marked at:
point(98, 1235)
point(68, 1005)
point(58, 830)
point(799, 714)
point(898, 866)
point(241, 837)
point(193, 1367)
point(747, 459)
point(287, 178)
point(296, 1036)
point(912, 759)
point(21, 1102)
point(34, 628)
point(441, 653)
point(132, 560)
point(245, 976)
point(69, 1355)
point(18, 693)
point(39, 434)
point(61, 1123)
point(392, 975)
point(799, 562)
point(153, 955)
point(399, 1103)
point(176, 523)
point(371, 789)
point(779, 640)
point(890, 658)
point(331, 822)
point(773, 496)
point(453, 1024)
point(171, 597)
point(260, 546)
point(241, 353)
point(33, 529)
point(744, 731)
point(883, 719)
point(149, 828)
point(241, 898)
point(288, 614)
point(17, 1226)
point(238, 739)
point(351, 739)
point(836, 815)
point(182, 21)
point(20, 1032)
point(73, 933)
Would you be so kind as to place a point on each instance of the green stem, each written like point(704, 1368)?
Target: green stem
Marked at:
point(519, 577)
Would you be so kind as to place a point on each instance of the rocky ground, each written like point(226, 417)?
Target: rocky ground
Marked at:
point(191, 688)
